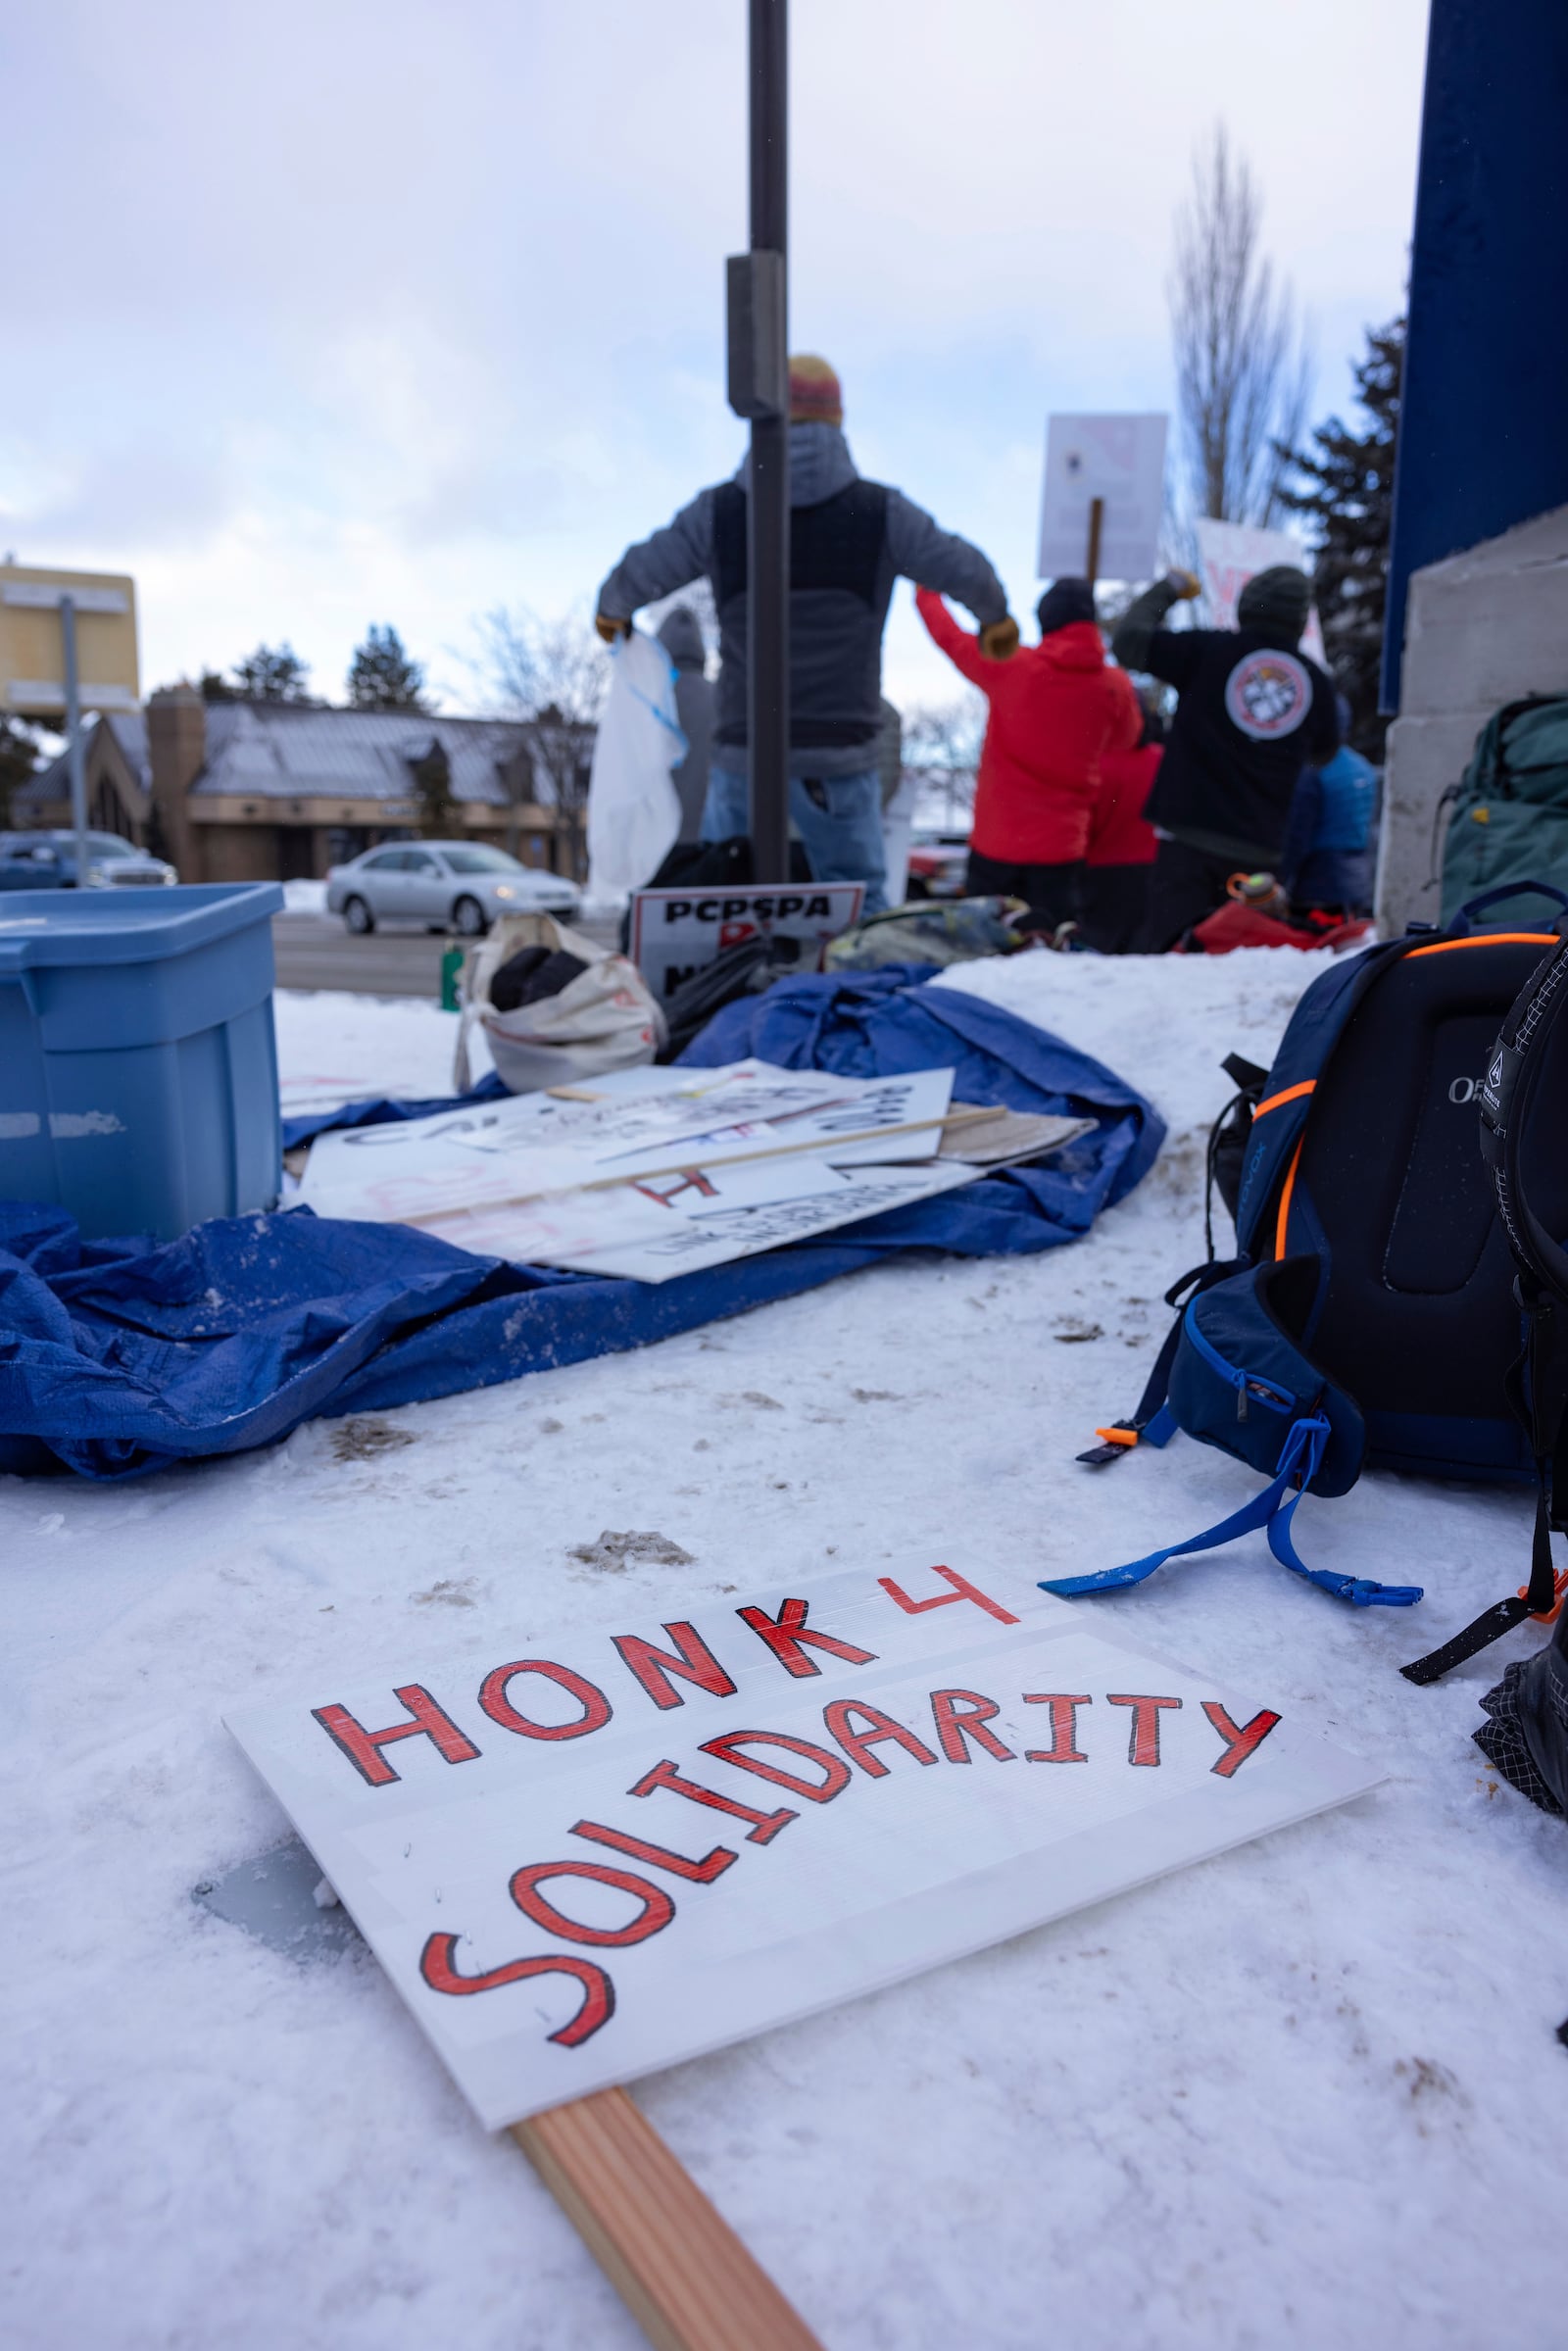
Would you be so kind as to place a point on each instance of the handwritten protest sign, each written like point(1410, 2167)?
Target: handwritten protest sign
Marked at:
point(586, 1857)
point(1230, 554)
point(1120, 461)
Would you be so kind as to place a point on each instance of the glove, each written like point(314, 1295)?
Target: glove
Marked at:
point(1185, 585)
point(610, 629)
point(998, 642)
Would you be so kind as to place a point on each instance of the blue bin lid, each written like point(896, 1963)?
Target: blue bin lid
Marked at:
point(40, 927)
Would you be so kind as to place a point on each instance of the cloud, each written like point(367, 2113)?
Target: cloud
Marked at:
point(399, 311)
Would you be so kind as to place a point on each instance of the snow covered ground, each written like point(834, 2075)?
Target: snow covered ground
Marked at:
point(1306, 2095)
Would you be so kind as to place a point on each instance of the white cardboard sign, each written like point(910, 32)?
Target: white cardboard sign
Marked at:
point(1230, 554)
point(676, 932)
point(1122, 462)
point(586, 1856)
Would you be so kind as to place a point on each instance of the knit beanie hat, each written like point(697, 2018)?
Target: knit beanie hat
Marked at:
point(814, 394)
point(1277, 601)
point(1064, 602)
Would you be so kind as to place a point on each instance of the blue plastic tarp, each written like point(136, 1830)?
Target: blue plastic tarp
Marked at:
point(119, 1358)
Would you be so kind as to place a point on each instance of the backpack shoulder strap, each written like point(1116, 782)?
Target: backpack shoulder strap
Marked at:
point(1280, 1117)
point(1537, 1383)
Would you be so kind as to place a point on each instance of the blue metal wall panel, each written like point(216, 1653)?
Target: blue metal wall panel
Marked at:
point(1484, 429)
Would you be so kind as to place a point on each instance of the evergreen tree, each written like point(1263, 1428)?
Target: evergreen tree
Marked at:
point(271, 673)
point(1345, 484)
point(381, 676)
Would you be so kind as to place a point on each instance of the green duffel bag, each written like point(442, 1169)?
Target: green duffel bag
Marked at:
point(1510, 809)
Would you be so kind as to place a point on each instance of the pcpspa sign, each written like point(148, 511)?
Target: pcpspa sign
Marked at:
point(585, 1855)
point(676, 932)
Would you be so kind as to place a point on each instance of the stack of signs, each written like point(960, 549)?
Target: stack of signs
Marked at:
point(665, 1171)
point(585, 1856)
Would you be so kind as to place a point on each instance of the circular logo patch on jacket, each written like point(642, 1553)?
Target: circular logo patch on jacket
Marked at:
point(1267, 695)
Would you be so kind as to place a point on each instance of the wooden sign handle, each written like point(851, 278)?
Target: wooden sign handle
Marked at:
point(682, 2272)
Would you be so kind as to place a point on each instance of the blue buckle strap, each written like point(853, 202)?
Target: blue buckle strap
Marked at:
point(1273, 1510)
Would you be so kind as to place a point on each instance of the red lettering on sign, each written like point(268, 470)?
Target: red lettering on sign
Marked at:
point(426, 1720)
point(836, 1774)
point(963, 1589)
point(1063, 1747)
point(595, 1707)
point(636, 1848)
point(767, 1825)
point(438, 1964)
point(657, 1907)
point(1239, 1744)
point(692, 1659)
point(882, 1726)
point(1143, 1740)
point(785, 1634)
point(960, 1714)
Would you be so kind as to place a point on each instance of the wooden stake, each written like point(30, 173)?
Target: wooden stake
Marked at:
point(1097, 516)
point(681, 2271)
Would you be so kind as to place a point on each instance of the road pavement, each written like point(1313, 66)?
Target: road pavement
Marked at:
point(315, 951)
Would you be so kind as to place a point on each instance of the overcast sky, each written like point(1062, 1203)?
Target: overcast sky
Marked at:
point(327, 313)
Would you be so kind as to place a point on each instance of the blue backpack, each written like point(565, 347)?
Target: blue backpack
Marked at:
point(1369, 1314)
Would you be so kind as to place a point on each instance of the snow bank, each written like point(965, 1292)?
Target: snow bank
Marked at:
point(332, 1048)
point(305, 898)
point(1302, 2095)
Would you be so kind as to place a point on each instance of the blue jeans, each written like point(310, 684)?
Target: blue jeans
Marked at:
point(838, 817)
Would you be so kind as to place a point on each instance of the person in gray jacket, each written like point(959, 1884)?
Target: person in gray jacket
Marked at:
point(849, 539)
point(681, 635)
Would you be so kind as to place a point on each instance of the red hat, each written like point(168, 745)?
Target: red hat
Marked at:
point(814, 394)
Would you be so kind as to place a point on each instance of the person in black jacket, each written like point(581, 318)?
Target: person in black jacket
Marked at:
point(1254, 712)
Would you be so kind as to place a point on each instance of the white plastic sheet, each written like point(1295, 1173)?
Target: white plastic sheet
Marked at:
point(633, 809)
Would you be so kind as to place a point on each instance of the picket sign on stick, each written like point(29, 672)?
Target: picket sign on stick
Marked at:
point(680, 2269)
point(586, 1855)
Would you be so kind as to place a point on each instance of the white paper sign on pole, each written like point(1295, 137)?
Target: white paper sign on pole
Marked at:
point(586, 1856)
point(1120, 461)
point(676, 932)
point(1230, 554)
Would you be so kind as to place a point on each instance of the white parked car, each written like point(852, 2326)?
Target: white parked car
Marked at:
point(461, 885)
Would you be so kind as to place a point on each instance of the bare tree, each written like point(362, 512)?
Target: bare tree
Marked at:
point(943, 740)
point(1242, 368)
point(553, 675)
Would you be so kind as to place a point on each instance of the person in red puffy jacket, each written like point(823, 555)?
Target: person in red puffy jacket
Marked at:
point(1122, 841)
point(1056, 707)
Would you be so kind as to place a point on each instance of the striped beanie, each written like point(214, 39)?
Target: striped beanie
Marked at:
point(814, 394)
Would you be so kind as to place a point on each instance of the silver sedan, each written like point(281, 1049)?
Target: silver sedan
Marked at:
point(460, 885)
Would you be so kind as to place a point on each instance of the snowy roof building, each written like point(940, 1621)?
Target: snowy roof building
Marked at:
point(251, 791)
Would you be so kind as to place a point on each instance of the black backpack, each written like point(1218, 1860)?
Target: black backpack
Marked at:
point(1369, 1314)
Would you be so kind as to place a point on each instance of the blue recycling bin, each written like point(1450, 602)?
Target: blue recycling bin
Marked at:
point(139, 1068)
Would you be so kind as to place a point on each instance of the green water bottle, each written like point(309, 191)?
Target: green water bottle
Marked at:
point(451, 967)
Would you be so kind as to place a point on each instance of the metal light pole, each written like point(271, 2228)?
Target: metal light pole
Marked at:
point(75, 747)
point(758, 389)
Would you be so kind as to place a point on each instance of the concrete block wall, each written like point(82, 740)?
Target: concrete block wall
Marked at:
point(1483, 628)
